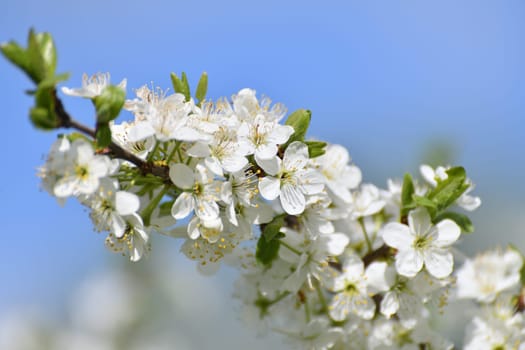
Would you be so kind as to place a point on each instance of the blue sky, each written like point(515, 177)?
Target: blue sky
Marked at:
point(384, 78)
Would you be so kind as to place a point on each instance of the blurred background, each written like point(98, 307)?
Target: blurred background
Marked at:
point(397, 82)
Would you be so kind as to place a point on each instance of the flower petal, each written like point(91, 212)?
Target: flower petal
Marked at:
point(419, 221)
point(182, 176)
point(270, 187)
point(409, 262)
point(206, 209)
point(292, 200)
point(448, 233)
point(438, 262)
point(271, 166)
point(389, 304)
point(397, 235)
point(126, 203)
point(183, 206)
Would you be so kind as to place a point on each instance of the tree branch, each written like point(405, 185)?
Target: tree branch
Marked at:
point(65, 121)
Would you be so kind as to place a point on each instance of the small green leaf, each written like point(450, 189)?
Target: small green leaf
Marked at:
point(109, 103)
point(449, 190)
point(272, 229)
point(38, 61)
point(43, 115)
point(181, 86)
point(15, 53)
point(315, 148)
point(41, 56)
point(267, 251)
point(299, 120)
point(103, 135)
point(50, 82)
point(42, 118)
point(425, 202)
point(462, 220)
point(407, 191)
point(269, 244)
point(202, 88)
point(48, 52)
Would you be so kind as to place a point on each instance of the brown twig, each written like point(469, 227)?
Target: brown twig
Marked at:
point(382, 252)
point(65, 121)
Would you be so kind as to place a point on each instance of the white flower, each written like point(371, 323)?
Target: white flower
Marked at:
point(208, 229)
point(247, 107)
point(317, 334)
point(200, 192)
point(421, 243)
point(223, 152)
point(498, 326)
point(309, 257)
point(315, 217)
point(292, 181)
point(488, 275)
point(351, 288)
point(109, 207)
point(120, 135)
point(340, 177)
point(367, 201)
point(92, 86)
point(82, 170)
point(165, 117)
point(261, 137)
point(134, 242)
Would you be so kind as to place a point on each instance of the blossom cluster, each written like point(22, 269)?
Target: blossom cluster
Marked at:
point(325, 259)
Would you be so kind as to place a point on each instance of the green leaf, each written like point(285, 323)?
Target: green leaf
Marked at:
point(267, 251)
point(187, 92)
point(462, 220)
point(299, 120)
point(43, 115)
point(315, 148)
point(48, 52)
point(41, 56)
point(449, 190)
point(269, 244)
point(103, 135)
point(427, 203)
point(109, 103)
point(407, 191)
point(15, 53)
point(42, 118)
point(181, 86)
point(202, 88)
point(272, 229)
point(50, 82)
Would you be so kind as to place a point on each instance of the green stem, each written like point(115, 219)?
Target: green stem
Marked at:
point(322, 299)
point(146, 213)
point(291, 248)
point(279, 298)
point(307, 311)
point(154, 150)
point(173, 151)
point(367, 239)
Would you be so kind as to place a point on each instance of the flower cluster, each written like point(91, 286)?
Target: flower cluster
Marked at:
point(492, 280)
point(325, 259)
